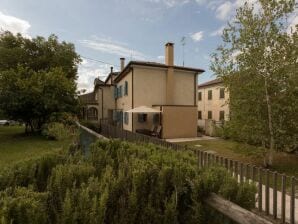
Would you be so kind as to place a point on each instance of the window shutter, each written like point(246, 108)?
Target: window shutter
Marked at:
point(115, 92)
point(126, 88)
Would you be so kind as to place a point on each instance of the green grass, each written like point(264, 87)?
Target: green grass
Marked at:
point(282, 162)
point(16, 146)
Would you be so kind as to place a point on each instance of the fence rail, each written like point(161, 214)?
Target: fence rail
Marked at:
point(276, 193)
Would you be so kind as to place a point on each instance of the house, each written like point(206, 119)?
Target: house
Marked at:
point(168, 89)
point(212, 104)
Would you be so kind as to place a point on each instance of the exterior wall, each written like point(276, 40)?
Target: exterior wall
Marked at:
point(184, 88)
point(179, 122)
point(149, 89)
point(215, 104)
point(124, 103)
point(105, 98)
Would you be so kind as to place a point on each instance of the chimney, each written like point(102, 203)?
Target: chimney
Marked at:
point(122, 63)
point(111, 69)
point(169, 54)
point(169, 61)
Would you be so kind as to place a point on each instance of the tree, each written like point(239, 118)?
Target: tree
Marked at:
point(37, 78)
point(257, 62)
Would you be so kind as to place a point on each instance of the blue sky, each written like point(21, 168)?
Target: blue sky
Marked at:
point(109, 29)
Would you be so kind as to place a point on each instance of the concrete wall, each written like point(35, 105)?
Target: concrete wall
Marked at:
point(215, 105)
point(179, 122)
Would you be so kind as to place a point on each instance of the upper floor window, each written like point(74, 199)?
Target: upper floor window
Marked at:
point(209, 114)
point(199, 115)
point(221, 93)
point(126, 88)
point(200, 96)
point(120, 91)
point(209, 94)
point(115, 92)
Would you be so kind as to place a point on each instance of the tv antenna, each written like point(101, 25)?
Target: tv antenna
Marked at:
point(183, 42)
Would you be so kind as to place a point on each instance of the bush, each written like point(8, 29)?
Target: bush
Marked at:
point(119, 182)
point(56, 131)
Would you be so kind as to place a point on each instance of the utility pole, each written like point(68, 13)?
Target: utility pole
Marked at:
point(183, 42)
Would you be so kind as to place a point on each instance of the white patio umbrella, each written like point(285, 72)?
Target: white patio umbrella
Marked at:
point(143, 109)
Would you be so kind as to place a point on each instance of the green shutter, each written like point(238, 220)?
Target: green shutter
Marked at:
point(126, 88)
point(115, 92)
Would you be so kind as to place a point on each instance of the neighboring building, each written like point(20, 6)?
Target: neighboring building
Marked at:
point(212, 104)
point(170, 89)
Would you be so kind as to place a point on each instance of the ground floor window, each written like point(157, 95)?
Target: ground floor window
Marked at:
point(221, 115)
point(126, 117)
point(142, 118)
point(92, 114)
point(209, 114)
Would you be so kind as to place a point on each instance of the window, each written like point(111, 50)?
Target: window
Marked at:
point(221, 93)
point(126, 88)
point(126, 117)
point(96, 96)
point(221, 115)
point(199, 115)
point(200, 96)
point(209, 94)
point(156, 119)
point(142, 118)
point(209, 114)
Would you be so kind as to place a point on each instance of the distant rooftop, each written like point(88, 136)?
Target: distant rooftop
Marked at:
point(209, 83)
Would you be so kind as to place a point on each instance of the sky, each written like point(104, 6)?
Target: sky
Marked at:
point(105, 30)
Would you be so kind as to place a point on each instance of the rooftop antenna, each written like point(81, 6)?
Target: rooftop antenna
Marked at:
point(183, 42)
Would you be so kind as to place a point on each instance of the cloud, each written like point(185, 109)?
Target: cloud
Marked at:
point(112, 47)
point(218, 32)
point(161, 58)
point(88, 71)
point(170, 3)
point(198, 36)
point(14, 24)
point(224, 10)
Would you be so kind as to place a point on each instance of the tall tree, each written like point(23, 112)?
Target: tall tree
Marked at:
point(37, 78)
point(257, 62)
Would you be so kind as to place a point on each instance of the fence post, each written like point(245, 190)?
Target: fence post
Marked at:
point(275, 195)
point(247, 176)
point(283, 198)
point(267, 198)
point(292, 205)
point(241, 173)
point(260, 193)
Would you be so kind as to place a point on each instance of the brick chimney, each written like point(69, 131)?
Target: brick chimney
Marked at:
point(122, 63)
point(169, 60)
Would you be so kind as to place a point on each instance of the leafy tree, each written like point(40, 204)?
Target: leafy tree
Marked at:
point(257, 62)
point(37, 78)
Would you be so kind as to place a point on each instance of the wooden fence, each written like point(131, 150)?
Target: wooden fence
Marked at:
point(276, 192)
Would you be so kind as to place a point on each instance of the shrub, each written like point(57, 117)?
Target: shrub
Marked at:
point(119, 182)
point(56, 131)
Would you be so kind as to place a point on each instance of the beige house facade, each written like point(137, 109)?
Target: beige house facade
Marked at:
point(213, 107)
point(170, 89)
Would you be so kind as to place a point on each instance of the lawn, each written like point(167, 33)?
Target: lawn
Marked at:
point(282, 163)
point(15, 145)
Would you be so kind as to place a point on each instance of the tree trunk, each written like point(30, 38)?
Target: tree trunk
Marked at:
point(270, 152)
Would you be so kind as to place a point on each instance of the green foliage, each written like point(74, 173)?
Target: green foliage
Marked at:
point(56, 131)
point(37, 78)
point(124, 183)
point(23, 206)
point(258, 64)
